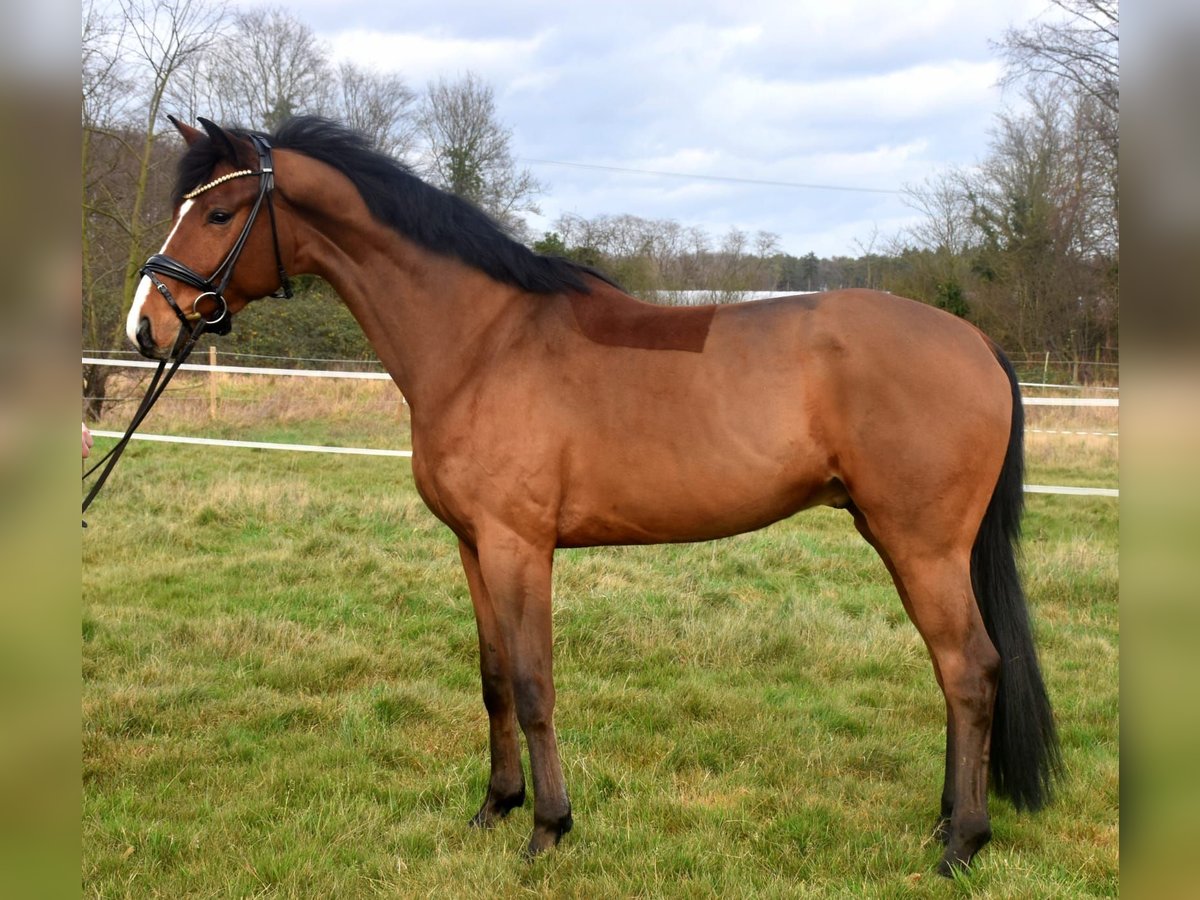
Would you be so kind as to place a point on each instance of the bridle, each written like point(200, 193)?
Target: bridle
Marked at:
point(215, 284)
point(196, 323)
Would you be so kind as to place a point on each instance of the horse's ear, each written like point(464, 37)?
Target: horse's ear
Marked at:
point(225, 143)
point(190, 134)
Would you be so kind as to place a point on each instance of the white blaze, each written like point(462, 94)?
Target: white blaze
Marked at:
point(143, 289)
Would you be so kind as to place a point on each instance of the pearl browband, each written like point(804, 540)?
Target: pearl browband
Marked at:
point(191, 195)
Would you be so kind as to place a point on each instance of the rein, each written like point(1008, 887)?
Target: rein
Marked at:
point(158, 384)
point(195, 323)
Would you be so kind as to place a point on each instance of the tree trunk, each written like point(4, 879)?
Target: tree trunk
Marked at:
point(95, 391)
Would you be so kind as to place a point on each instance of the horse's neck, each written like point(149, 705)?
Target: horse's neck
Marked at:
point(429, 317)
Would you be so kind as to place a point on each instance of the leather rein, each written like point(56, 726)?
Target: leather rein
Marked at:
point(195, 323)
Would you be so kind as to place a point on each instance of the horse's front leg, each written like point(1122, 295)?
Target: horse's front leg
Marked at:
point(517, 575)
point(506, 786)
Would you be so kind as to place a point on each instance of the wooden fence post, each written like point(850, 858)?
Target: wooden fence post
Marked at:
point(212, 384)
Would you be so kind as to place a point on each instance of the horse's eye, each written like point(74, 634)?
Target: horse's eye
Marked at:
point(219, 216)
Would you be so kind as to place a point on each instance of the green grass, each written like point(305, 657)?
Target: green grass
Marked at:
point(280, 698)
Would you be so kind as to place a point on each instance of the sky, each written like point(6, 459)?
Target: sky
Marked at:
point(869, 95)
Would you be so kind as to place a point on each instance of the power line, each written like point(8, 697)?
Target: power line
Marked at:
point(725, 178)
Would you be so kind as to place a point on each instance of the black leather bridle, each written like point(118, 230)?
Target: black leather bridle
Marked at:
point(219, 321)
point(196, 323)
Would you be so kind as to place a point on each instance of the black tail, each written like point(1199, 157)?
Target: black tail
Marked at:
point(1025, 752)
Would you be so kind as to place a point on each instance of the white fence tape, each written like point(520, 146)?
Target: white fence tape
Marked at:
point(1070, 401)
point(237, 370)
point(1079, 433)
point(257, 445)
point(1067, 387)
point(367, 451)
point(1076, 491)
point(384, 376)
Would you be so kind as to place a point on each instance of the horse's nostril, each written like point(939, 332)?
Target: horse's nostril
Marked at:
point(145, 340)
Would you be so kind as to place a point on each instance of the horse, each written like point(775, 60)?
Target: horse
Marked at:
point(550, 409)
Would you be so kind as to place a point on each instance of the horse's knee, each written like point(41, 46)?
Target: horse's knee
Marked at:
point(534, 699)
point(497, 693)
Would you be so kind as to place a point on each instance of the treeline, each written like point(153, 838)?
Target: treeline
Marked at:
point(1025, 244)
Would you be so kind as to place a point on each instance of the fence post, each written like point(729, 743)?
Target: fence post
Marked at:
point(1046, 369)
point(212, 384)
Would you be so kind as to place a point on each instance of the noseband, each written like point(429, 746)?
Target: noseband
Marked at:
point(214, 285)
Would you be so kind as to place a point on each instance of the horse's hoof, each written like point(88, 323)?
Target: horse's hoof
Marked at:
point(496, 808)
point(546, 836)
point(961, 848)
point(485, 818)
point(946, 868)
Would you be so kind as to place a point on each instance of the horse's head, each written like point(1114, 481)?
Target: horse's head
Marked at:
point(223, 248)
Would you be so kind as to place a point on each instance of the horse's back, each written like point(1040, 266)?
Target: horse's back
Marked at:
point(791, 402)
point(670, 445)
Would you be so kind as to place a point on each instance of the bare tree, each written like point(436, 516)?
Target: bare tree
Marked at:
point(868, 255)
point(1081, 49)
point(1027, 242)
point(1044, 255)
point(129, 63)
point(378, 105)
point(942, 200)
point(931, 258)
point(165, 36)
point(695, 245)
point(468, 150)
point(659, 259)
point(103, 92)
point(271, 67)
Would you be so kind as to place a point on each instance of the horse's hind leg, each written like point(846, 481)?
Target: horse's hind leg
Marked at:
point(506, 786)
point(946, 614)
point(934, 580)
point(942, 829)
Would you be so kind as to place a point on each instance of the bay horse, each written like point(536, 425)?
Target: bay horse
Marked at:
point(550, 409)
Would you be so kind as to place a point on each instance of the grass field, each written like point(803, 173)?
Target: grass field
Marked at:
point(280, 689)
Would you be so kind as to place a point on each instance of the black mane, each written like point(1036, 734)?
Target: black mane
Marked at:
point(436, 220)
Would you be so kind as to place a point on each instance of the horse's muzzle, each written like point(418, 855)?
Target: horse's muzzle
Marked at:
point(145, 341)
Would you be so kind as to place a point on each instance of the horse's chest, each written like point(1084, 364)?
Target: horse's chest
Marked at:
point(437, 494)
point(467, 485)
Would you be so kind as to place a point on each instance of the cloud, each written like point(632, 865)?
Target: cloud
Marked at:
point(863, 92)
point(907, 94)
point(426, 56)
